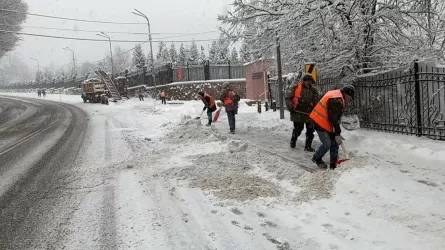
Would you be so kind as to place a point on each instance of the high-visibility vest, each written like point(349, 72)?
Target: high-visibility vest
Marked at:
point(212, 100)
point(320, 113)
point(228, 98)
point(297, 95)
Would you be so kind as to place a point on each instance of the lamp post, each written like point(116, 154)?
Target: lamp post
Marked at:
point(38, 70)
point(138, 13)
point(74, 61)
point(102, 34)
point(38, 64)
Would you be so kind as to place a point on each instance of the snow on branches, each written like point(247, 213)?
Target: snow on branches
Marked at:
point(11, 21)
point(363, 35)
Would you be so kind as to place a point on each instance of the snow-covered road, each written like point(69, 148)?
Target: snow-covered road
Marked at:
point(151, 177)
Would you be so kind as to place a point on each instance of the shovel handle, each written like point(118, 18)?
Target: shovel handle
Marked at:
point(344, 150)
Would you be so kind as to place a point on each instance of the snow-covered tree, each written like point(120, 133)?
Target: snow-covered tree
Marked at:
point(39, 77)
point(104, 64)
point(244, 53)
point(202, 55)
point(213, 52)
point(173, 53)
point(193, 53)
point(15, 69)
point(121, 60)
point(11, 21)
point(47, 76)
point(149, 64)
point(86, 69)
point(363, 35)
point(182, 57)
point(234, 56)
point(139, 57)
point(162, 57)
point(223, 49)
point(60, 75)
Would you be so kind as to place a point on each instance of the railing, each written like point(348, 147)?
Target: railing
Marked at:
point(408, 100)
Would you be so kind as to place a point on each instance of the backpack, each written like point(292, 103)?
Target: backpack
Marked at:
point(235, 98)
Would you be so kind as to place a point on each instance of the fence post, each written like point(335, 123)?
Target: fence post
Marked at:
point(207, 70)
point(417, 95)
point(188, 72)
point(230, 73)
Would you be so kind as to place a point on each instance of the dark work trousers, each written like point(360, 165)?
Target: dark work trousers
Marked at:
point(163, 100)
point(209, 115)
point(231, 117)
point(298, 128)
point(327, 144)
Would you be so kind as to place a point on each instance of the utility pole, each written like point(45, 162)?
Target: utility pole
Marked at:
point(74, 61)
point(280, 77)
point(139, 13)
point(102, 34)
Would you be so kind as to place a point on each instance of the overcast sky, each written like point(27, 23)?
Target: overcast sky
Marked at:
point(166, 16)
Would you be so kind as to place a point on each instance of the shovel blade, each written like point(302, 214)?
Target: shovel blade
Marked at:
point(340, 161)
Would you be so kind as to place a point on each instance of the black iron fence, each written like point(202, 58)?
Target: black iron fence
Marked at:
point(409, 100)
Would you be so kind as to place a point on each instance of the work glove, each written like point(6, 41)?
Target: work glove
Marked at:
point(339, 139)
point(203, 109)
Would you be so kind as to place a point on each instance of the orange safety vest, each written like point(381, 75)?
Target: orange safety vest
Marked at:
point(228, 98)
point(212, 100)
point(320, 113)
point(297, 95)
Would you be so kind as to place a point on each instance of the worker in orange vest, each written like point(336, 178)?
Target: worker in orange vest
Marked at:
point(326, 116)
point(163, 95)
point(301, 98)
point(209, 105)
point(230, 100)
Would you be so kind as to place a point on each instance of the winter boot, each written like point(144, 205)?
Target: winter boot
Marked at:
point(308, 146)
point(320, 163)
point(293, 140)
point(209, 123)
point(333, 165)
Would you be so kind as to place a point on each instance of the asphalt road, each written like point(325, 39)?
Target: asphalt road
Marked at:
point(39, 141)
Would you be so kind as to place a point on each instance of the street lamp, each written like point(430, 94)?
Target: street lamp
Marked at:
point(102, 34)
point(38, 70)
point(38, 65)
point(74, 61)
point(138, 13)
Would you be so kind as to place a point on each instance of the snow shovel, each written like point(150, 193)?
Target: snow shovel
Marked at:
point(199, 117)
point(340, 161)
point(215, 118)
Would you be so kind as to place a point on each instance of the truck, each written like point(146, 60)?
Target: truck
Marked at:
point(121, 83)
point(94, 90)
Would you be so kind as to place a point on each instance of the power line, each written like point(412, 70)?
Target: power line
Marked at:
point(101, 40)
point(111, 32)
point(69, 19)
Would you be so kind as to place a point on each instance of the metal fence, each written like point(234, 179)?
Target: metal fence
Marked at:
point(407, 101)
point(208, 72)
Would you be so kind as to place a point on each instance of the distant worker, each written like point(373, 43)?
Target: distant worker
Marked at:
point(301, 98)
point(326, 116)
point(163, 95)
point(140, 95)
point(44, 92)
point(39, 93)
point(230, 100)
point(209, 104)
